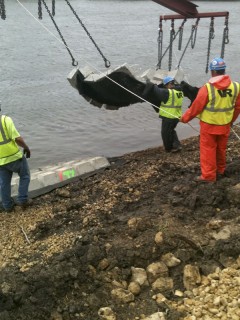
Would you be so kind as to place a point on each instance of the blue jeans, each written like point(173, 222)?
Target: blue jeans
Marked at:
point(6, 171)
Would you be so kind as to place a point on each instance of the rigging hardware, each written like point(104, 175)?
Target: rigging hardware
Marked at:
point(53, 8)
point(172, 37)
point(74, 62)
point(161, 56)
point(225, 39)
point(210, 38)
point(2, 10)
point(39, 9)
point(193, 36)
point(192, 39)
point(107, 63)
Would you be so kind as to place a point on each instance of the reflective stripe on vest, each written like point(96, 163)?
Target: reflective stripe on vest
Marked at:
point(8, 147)
point(220, 107)
point(173, 107)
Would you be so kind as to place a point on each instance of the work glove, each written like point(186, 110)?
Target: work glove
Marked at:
point(147, 92)
point(27, 152)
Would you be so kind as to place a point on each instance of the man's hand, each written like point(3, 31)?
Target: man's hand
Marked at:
point(27, 152)
point(180, 120)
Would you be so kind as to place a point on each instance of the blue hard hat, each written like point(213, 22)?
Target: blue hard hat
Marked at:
point(167, 79)
point(217, 64)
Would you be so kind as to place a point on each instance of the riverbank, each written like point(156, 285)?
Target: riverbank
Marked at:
point(119, 244)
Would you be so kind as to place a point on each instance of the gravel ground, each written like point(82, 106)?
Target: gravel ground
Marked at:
point(97, 248)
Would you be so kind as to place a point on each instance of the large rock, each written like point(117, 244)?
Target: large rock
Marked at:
point(191, 277)
point(233, 194)
point(156, 270)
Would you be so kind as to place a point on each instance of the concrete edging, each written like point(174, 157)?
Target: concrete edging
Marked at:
point(48, 178)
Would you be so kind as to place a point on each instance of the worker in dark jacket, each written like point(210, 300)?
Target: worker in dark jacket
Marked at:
point(13, 160)
point(217, 105)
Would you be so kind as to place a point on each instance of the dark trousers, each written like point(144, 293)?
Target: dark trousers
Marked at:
point(6, 171)
point(169, 134)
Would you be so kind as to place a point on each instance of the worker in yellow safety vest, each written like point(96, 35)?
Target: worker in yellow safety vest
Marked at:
point(217, 105)
point(169, 97)
point(170, 111)
point(13, 160)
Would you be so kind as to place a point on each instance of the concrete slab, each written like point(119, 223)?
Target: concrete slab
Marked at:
point(48, 178)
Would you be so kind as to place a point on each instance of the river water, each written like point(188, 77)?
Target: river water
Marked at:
point(56, 122)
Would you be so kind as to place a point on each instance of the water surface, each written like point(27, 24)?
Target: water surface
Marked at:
point(56, 122)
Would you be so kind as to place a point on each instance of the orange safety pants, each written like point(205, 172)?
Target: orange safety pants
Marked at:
point(212, 154)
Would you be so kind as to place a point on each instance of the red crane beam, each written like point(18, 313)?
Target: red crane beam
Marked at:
point(183, 7)
point(199, 15)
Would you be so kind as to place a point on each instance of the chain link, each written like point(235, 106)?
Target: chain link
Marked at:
point(190, 39)
point(180, 38)
point(53, 8)
point(160, 43)
point(194, 35)
point(172, 37)
point(2, 10)
point(210, 38)
point(225, 39)
point(107, 63)
point(171, 42)
point(39, 9)
point(74, 62)
point(181, 34)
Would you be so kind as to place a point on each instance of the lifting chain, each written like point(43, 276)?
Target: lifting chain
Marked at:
point(172, 37)
point(107, 63)
point(74, 62)
point(2, 10)
point(181, 35)
point(39, 9)
point(193, 35)
point(171, 42)
point(225, 39)
point(210, 38)
point(53, 8)
point(160, 43)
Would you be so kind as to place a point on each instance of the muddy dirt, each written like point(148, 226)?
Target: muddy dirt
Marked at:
point(61, 258)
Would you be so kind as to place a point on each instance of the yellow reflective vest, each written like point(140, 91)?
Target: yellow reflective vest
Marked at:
point(172, 109)
point(8, 147)
point(220, 107)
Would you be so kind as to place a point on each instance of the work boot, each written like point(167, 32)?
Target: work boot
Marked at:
point(223, 175)
point(200, 180)
point(178, 149)
point(8, 210)
point(26, 204)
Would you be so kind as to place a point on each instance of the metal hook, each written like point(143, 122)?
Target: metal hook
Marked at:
point(74, 63)
point(107, 64)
